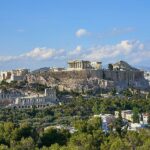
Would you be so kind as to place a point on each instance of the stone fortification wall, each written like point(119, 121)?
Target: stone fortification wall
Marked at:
point(101, 74)
point(69, 74)
point(89, 79)
point(123, 75)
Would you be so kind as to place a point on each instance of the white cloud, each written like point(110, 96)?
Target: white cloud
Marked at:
point(75, 52)
point(121, 49)
point(36, 54)
point(41, 53)
point(132, 51)
point(82, 32)
point(8, 58)
point(78, 48)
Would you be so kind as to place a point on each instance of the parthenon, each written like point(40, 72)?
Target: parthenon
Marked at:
point(82, 64)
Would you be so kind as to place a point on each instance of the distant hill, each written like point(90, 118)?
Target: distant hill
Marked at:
point(40, 70)
point(145, 68)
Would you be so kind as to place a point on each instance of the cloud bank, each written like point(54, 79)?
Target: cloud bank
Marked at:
point(132, 51)
point(35, 54)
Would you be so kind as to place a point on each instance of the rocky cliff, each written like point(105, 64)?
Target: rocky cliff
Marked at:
point(89, 79)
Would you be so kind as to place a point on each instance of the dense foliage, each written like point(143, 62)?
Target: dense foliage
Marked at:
point(25, 129)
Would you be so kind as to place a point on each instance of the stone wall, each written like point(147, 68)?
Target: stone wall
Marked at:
point(89, 79)
point(101, 74)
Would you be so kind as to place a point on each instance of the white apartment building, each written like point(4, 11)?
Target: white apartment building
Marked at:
point(107, 119)
point(126, 114)
point(147, 76)
point(135, 126)
point(145, 118)
point(13, 75)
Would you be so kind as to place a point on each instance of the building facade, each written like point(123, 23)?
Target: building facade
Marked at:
point(147, 76)
point(57, 69)
point(39, 101)
point(82, 64)
point(146, 117)
point(13, 75)
point(107, 120)
point(10, 95)
point(125, 114)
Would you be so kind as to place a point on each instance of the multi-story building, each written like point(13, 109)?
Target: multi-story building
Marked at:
point(147, 76)
point(57, 69)
point(13, 75)
point(107, 119)
point(126, 114)
point(135, 126)
point(40, 101)
point(145, 118)
point(82, 64)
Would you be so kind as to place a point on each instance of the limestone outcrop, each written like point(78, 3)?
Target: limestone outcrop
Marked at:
point(85, 80)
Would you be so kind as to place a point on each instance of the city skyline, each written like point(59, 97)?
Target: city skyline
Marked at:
point(40, 33)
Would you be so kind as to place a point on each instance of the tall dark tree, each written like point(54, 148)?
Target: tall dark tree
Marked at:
point(113, 92)
point(110, 66)
point(118, 124)
point(135, 116)
point(148, 119)
point(52, 136)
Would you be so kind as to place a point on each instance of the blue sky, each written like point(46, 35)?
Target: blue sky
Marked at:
point(39, 33)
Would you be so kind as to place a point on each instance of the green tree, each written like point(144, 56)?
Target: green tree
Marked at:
point(118, 144)
point(24, 131)
point(8, 128)
point(94, 123)
point(127, 93)
point(55, 147)
point(25, 144)
point(96, 108)
point(145, 146)
point(98, 138)
point(81, 125)
point(135, 115)
point(81, 141)
point(118, 124)
point(113, 92)
point(148, 119)
point(52, 136)
point(110, 67)
point(3, 147)
point(133, 139)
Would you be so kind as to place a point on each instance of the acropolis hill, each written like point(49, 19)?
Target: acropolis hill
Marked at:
point(85, 75)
